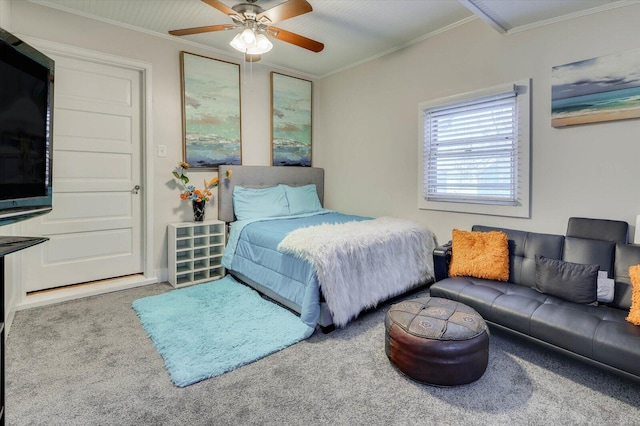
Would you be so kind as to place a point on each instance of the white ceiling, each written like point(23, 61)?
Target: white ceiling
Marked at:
point(353, 31)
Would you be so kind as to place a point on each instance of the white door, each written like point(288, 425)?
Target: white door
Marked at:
point(95, 227)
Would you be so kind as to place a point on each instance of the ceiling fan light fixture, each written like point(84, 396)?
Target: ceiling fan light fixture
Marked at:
point(256, 26)
point(251, 43)
point(248, 37)
point(238, 44)
point(263, 45)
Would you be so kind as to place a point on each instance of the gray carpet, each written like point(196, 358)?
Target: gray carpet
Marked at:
point(89, 362)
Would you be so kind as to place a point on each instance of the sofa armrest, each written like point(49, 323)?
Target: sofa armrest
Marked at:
point(441, 260)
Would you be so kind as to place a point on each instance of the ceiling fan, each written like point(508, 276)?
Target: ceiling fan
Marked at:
point(257, 24)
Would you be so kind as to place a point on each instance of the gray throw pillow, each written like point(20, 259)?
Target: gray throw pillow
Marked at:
point(574, 282)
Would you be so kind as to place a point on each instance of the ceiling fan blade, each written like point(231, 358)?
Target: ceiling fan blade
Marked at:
point(252, 58)
point(198, 30)
point(284, 11)
point(223, 8)
point(298, 40)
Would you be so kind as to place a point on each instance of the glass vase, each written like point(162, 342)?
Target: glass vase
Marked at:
point(198, 210)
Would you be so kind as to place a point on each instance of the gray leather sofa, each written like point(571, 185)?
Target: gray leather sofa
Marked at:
point(598, 334)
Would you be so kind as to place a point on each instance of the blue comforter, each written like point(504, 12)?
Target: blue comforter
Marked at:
point(252, 251)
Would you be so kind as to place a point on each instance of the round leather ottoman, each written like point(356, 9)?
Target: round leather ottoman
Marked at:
point(437, 341)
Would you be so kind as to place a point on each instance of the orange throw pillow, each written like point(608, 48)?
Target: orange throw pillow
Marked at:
point(480, 255)
point(634, 312)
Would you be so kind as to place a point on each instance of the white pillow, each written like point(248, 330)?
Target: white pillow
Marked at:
point(606, 287)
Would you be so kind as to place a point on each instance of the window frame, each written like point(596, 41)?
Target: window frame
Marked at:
point(523, 104)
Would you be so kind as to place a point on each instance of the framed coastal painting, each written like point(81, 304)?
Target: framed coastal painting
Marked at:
point(291, 123)
point(595, 90)
point(211, 123)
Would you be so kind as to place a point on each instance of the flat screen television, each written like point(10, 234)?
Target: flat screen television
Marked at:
point(26, 124)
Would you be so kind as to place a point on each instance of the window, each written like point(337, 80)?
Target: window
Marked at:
point(475, 152)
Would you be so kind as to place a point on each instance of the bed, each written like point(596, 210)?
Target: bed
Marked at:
point(285, 254)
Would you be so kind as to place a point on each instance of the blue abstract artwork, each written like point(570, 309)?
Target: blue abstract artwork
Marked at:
point(596, 90)
point(211, 111)
point(291, 121)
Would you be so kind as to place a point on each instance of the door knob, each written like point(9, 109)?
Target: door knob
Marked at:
point(136, 189)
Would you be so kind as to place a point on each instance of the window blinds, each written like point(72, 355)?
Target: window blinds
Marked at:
point(471, 151)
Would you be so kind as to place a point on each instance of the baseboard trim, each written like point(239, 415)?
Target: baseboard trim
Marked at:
point(70, 293)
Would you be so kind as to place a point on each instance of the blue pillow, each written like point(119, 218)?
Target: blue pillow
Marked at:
point(255, 203)
point(302, 199)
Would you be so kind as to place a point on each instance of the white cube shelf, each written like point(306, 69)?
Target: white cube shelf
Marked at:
point(195, 252)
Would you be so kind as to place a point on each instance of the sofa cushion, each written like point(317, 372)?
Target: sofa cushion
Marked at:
point(480, 255)
point(546, 317)
point(597, 332)
point(634, 312)
point(591, 252)
point(617, 343)
point(627, 255)
point(476, 292)
point(570, 281)
point(566, 325)
point(598, 229)
point(515, 306)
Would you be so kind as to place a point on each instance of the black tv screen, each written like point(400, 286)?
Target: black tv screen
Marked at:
point(26, 93)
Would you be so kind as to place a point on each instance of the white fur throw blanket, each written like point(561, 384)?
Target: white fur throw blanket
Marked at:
point(359, 264)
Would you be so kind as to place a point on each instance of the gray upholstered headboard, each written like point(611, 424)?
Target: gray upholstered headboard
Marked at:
point(263, 177)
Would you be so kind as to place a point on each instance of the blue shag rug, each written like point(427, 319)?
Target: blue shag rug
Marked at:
point(209, 329)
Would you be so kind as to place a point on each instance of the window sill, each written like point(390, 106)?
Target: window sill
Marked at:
point(520, 210)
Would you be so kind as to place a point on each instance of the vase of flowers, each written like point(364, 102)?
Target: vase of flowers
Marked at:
point(198, 210)
point(198, 197)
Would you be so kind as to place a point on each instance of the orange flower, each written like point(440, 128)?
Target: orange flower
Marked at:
point(212, 182)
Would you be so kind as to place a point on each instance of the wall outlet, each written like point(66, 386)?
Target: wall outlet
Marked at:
point(162, 150)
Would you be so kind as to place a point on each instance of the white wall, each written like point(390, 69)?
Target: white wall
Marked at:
point(163, 54)
point(366, 120)
point(5, 15)
point(368, 139)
